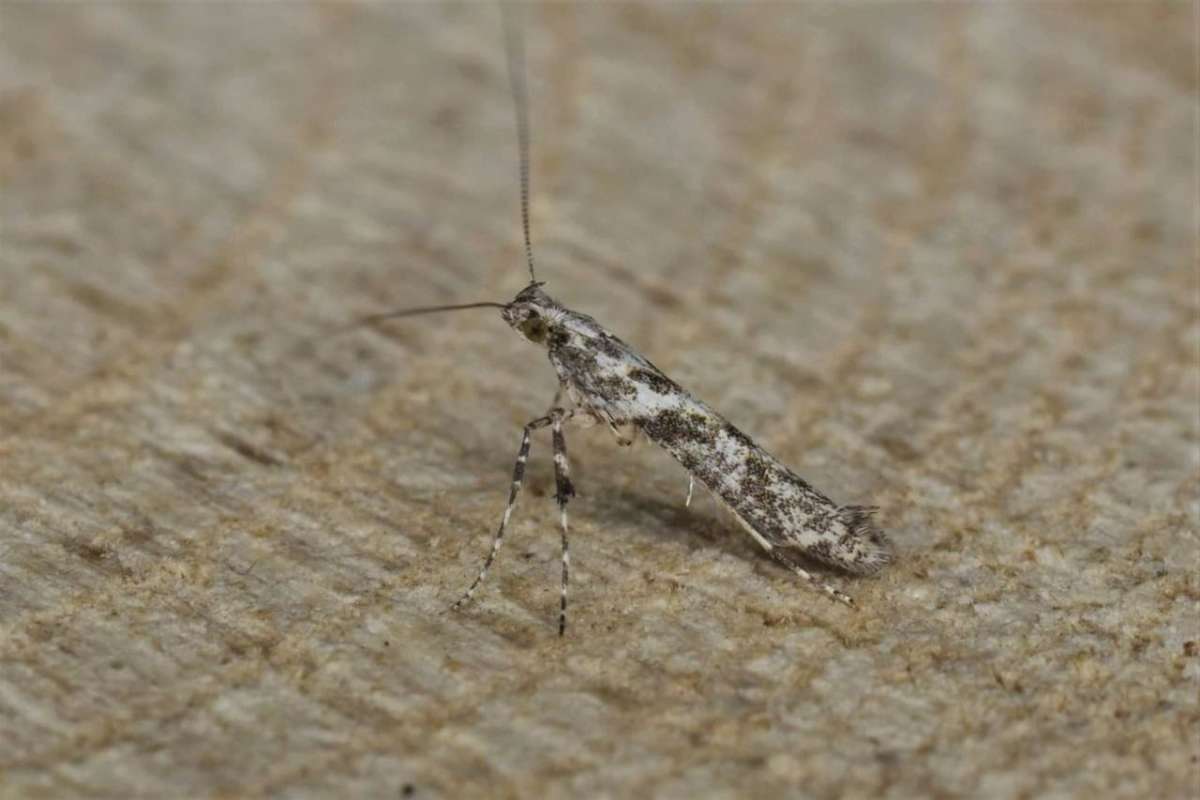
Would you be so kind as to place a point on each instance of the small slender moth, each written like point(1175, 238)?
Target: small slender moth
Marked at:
point(604, 380)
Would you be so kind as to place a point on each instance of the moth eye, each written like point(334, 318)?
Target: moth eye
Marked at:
point(534, 328)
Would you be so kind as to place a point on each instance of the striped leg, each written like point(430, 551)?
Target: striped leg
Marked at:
point(813, 580)
point(514, 489)
point(564, 490)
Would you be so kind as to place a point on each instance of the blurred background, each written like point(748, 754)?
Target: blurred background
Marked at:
point(937, 257)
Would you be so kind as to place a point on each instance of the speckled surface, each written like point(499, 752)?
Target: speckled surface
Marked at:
point(937, 258)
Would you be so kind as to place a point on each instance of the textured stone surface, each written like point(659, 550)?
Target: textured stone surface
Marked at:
point(937, 258)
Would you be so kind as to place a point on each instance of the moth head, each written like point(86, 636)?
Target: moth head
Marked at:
point(533, 315)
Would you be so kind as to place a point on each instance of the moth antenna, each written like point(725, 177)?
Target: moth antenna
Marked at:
point(514, 45)
point(413, 312)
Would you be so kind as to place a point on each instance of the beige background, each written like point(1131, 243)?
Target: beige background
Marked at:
point(938, 258)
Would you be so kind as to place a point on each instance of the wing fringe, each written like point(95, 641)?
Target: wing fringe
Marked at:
point(874, 548)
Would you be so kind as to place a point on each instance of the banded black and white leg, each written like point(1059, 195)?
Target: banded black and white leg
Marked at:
point(564, 490)
point(518, 478)
point(813, 580)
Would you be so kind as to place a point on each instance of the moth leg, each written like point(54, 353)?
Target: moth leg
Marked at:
point(783, 558)
point(514, 489)
point(564, 490)
point(691, 485)
point(557, 401)
point(813, 580)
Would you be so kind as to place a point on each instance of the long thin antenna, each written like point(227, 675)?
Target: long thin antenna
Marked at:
point(412, 312)
point(514, 45)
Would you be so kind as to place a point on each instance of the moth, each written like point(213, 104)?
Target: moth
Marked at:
point(604, 380)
